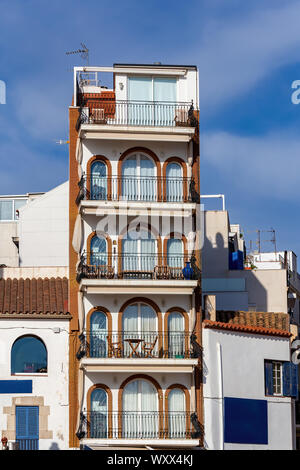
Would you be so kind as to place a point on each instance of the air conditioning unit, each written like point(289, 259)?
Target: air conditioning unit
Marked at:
point(98, 115)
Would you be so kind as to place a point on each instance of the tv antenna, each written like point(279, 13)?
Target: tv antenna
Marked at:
point(84, 53)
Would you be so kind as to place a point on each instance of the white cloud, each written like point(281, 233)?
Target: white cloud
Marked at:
point(267, 166)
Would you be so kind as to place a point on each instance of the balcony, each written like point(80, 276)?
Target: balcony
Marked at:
point(132, 189)
point(138, 344)
point(110, 112)
point(137, 266)
point(139, 425)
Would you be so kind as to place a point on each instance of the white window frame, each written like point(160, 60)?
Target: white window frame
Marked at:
point(13, 200)
point(277, 381)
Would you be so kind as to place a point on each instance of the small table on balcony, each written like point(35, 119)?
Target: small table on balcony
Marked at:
point(134, 344)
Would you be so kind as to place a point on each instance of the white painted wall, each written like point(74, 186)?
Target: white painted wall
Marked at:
point(53, 386)
point(243, 358)
point(43, 229)
point(8, 250)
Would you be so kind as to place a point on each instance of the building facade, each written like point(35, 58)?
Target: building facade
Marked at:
point(250, 383)
point(135, 370)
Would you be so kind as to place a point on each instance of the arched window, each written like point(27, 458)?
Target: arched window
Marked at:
point(138, 254)
point(174, 182)
point(176, 414)
point(98, 251)
point(176, 335)
point(175, 253)
point(140, 410)
point(138, 178)
point(98, 334)
point(28, 354)
point(98, 414)
point(98, 181)
point(139, 326)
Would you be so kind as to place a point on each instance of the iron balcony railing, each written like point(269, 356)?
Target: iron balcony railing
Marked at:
point(133, 188)
point(136, 266)
point(137, 425)
point(137, 113)
point(137, 344)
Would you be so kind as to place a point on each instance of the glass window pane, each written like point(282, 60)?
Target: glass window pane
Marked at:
point(98, 181)
point(165, 89)
point(98, 341)
point(28, 355)
point(98, 251)
point(140, 89)
point(6, 210)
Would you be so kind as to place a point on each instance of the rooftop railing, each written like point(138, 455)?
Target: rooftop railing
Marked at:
point(133, 188)
point(137, 113)
point(138, 425)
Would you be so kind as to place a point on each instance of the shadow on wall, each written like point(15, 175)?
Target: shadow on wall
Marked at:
point(230, 296)
point(54, 446)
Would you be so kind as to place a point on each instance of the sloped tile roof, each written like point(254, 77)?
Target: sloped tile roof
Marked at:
point(217, 325)
point(271, 320)
point(43, 298)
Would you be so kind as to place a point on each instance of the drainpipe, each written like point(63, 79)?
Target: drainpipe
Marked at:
point(220, 367)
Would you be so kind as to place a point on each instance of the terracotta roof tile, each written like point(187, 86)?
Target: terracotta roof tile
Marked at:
point(46, 298)
point(273, 320)
point(246, 328)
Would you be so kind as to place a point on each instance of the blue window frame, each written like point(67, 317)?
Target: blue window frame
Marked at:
point(27, 427)
point(28, 355)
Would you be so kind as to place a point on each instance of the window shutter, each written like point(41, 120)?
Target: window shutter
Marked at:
point(286, 376)
point(21, 421)
point(294, 380)
point(33, 422)
point(269, 378)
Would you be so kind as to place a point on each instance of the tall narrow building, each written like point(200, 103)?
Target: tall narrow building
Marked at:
point(134, 258)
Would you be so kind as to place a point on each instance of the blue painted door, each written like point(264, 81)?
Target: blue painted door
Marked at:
point(27, 427)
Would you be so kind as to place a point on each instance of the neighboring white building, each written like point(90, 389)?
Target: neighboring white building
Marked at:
point(34, 333)
point(9, 217)
point(248, 402)
point(34, 229)
point(271, 286)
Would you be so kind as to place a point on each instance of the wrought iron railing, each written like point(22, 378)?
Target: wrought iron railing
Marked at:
point(133, 188)
point(136, 266)
point(137, 425)
point(137, 344)
point(137, 113)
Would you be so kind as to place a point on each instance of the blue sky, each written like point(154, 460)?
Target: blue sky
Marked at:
point(248, 57)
